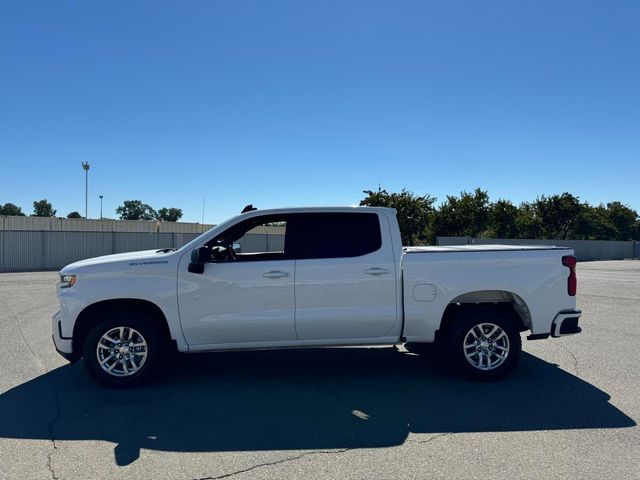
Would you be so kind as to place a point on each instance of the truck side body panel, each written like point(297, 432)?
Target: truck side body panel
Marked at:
point(433, 280)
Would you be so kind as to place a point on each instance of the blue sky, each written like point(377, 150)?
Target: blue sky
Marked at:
point(308, 103)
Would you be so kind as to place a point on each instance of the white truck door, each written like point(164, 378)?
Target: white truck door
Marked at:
point(345, 276)
point(244, 295)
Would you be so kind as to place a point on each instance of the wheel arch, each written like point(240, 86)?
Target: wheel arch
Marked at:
point(504, 301)
point(92, 314)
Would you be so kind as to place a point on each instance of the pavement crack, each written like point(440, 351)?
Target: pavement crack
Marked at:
point(37, 359)
point(574, 358)
point(610, 297)
point(49, 464)
point(43, 367)
point(277, 462)
point(51, 432)
point(431, 438)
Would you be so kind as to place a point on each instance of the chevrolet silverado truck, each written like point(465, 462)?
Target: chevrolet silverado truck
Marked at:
point(330, 277)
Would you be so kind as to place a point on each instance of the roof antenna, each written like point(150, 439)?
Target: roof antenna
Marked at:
point(248, 208)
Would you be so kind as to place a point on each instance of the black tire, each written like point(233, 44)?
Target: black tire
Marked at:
point(462, 342)
point(145, 327)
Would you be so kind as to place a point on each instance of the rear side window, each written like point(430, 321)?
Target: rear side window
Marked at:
point(335, 235)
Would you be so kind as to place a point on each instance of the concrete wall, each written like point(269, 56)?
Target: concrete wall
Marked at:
point(453, 240)
point(585, 250)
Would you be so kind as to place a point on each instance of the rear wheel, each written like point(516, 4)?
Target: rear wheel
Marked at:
point(123, 350)
point(485, 343)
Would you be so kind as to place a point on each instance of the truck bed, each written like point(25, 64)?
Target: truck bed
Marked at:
point(480, 248)
point(531, 275)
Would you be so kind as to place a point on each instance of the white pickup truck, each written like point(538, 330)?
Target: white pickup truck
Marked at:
point(333, 276)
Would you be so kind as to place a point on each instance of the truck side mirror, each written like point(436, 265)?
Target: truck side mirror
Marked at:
point(199, 257)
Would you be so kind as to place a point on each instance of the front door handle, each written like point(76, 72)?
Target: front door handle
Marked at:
point(376, 271)
point(275, 274)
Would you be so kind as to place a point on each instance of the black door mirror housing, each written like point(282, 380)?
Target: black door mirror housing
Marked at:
point(199, 256)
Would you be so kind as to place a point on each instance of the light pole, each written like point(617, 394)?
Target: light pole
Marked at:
point(101, 206)
point(85, 167)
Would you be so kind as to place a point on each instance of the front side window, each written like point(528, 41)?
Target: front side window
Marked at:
point(268, 237)
point(259, 238)
point(335, 235)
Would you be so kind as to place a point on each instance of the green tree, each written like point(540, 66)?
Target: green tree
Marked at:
point(466, 216)
point(528, 224)
point(503, 220)
point(169, 214)
point(136, 210)
point(558, 214)
point(11, 209)
point(43, 208)
point(74, 215)
point(414, 211)
point(623, 221)
point(616, 221)
point(557, 217)
point(592, 224)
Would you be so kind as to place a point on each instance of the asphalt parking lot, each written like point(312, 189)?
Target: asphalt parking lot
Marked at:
point(569, 411)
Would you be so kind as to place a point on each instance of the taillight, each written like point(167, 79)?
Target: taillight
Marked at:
point(572, 281)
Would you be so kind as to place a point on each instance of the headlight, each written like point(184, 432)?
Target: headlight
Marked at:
point(67, 281)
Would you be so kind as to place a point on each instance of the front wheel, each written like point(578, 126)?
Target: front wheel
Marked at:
point(485, 344)
point(122, 352)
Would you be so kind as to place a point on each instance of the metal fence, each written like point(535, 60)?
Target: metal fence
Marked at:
point(32, 250)
point(17, 223)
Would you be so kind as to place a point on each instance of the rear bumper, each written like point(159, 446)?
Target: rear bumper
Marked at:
point(566, 323)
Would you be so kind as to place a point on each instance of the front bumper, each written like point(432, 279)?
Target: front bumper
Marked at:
point(64, 345)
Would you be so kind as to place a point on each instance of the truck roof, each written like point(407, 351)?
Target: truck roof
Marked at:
point(318, 209)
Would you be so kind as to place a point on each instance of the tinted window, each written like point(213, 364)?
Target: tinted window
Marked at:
point(335, 235)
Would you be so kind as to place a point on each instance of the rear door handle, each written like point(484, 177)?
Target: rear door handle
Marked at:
point(377, 271)
point(275, 274)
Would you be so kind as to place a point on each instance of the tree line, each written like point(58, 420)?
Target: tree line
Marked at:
point(129, 210)
point(473, 214)
point(470, 214)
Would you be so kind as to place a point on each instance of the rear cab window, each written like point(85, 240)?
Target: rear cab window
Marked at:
point(334, 235)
